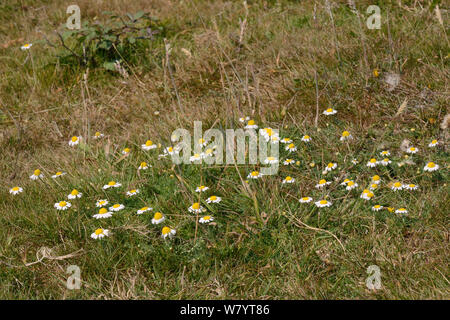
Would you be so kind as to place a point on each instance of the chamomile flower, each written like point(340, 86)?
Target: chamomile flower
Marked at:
point(288, 179)
point(143, 209)
point(377, 207)
point(351, 185)
point(74, 194)
point(329, 111)
point(271, 160)
point(331, 166)
point(346, 136)
point(269, 135)
point(209, 152)
point(37, 174)
point(74, 141)
point(373, 186)
point(168, 232)
point(372, 163)
point(26, 46)
point(412, 150)
point(397, 186)
point(174, 137)
point(385, 153)
point(202, 142)
point(116, 207)
point(15, 190)
point(323, 203)
point(322, 183)
point(376, 179)
point(213, 199)
point(291, 147)
point(251, 125)
point(158, 217)
point(206, 219)
point(288, 162)
point(411, 186)
point(143, 166)
point(354, 161)
point(286, 140)
point(254, 175)
point(306, 138)
point(385, 162)
point(344, 183)
point(101, 203)
point(243, 119)
point(132, 192)
point(126, 151)
point(367, 194)
point(201, 189)
point(196, 208)
point(171, 151)
point(98, 135)
point(305, 199)
point(148, 145)
point(112, 184)
point(431, 166)
point(58, 174)
point(196, 157)
point(103, 213)
point(401, 211)
point(433, 144)
point(274, 139)
point(100, 233)
point(62, 205)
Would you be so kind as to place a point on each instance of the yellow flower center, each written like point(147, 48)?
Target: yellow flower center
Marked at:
point(377, 206)
point(165, 230)
point(323, 181)
point(330, 165)
point(74, 192)
point(15, 189)
point(102, 211)
point(97, 134)
point(99, 231)
point(373, 160)
point(157, 216)
point(196, 206)
point(213, 198)
point(345, 134)
point(170, 149)
point(74, 139)
point(305, 198)
point(126, 150)
point(133, 191)
point(386, 160)
point(206, 217)
point(111, 183)
point(329, 110)
point(116, 206)
point(37, 172)
point(305, 137)
point(434, 141)
point(431, 165)
point(412, 149)
point(143, 164)
point(397, 184)
point(350, 183)
point(254, 173)
point(148, 143)
point(374, 186)
point(366, 191)
point(58, 173)
point(323, 201)
point(291, 146)
point(251, 122)
point(412, 185)
point(391, 209)
point(376, 178)
point(62, 204)
point(402, 209)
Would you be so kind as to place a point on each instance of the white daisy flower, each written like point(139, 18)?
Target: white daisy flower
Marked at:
point(112, 184)
point(367, 194)
point(306, 138)
point(344, 183)
point(271, 160)
point(268, 133)
point(323, 203)
point(412, 150)
point(397, 186)
point(331, 166)
point(274, 139)
point(346, 136)
point(431, 166)
point(74, 141)
point(372, 163)
point(171, 151)
point(373, 186)
point(158, 217)
point(15, 190)
point(354, 161)
point(322, 183)
point(100, 233)
point(126, 151)
point(213, 199)
point(103, 214)
point(202, 142)
point(148, 145)
point(291, 147)
point(377, 207)
point(206, 219)
point(58, 174)
point(132, 192)
point(208, 152)
point(143, 209)
point(411, 186)
point(329, 111)
point(101, 203)
point(143, 166)
point(433, 143)
point(74, 194)
point(98, 135)
point(201, 189)
point(196, 208)
point(376, 179)
point(26, 46)
point(351, 185)
point(251, 125)
point(168, 232)
point(62, 205)
point(243, 119)
point(254, 175)
point(116, 207)
point(195, 157)
point(305, 199)
point(385, 153)
point(288, 162)
point(286, 140)
point(288, 179)
point(385, 162)
point(174, 138)
point(401, 211)
point(37, 174)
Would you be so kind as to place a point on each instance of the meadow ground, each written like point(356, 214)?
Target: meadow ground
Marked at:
point(277, 62)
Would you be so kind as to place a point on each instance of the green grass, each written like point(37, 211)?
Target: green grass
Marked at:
point(263, 244)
